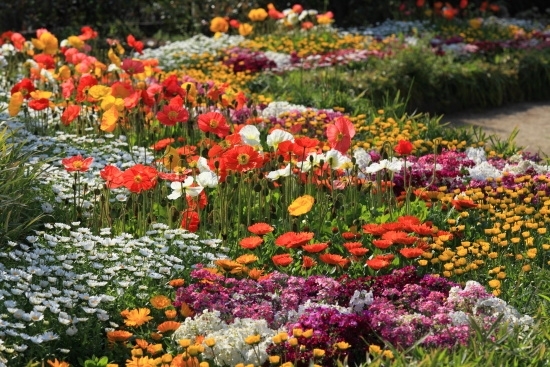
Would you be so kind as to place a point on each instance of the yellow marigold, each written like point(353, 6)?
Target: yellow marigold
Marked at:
point(257, 15)
point(274, 359)
point(532, 253)
point(137, 317)
point(374, 349)
point(253, 339)
point(494, 283)
point(318, 353)
point(219, 24)
point(301, 205)
point(160, 301)
point(342, 345)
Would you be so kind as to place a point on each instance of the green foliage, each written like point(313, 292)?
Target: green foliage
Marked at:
point(18, 207)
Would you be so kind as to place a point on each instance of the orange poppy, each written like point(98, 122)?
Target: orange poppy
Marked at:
point(382, 244)
point(315, 247)
point(168, 326)
point(293, 239)
point(377, 264)
point(260, 229)
point(250, 243)
point(162, 144)
point(308, 262)
point(411, 252)
point(118, 336)
point(333, 259)
point(282, 260)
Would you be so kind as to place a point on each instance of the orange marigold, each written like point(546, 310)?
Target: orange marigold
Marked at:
point(168, 326)
point(160, 301)
point(137, 317)
point(118, 336)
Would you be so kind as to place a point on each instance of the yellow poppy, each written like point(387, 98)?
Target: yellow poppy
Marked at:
point(301, 205)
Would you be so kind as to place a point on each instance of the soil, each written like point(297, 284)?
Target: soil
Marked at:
point(531, 119)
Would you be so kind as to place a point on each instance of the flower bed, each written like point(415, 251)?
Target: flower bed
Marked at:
point(190, 223)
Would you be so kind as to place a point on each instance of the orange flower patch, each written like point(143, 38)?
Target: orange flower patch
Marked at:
point(308, 262)
point(293, 239)
point(399, 237)
point(333, 259)
point(358, 251)
point(282, 260)
point(352, 245)
point(382, 244)
point(250, 243)
point(167, 326)
point(374, 229)
point(159, 302)
point(260, 229)
point(118, 336)
point(411, 253)
point(377, 264)
point(246, 259)
point(315, 247)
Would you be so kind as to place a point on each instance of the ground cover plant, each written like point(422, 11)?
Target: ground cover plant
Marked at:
point(188, 215)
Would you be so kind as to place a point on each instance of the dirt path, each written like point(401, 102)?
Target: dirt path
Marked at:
point(532, 120)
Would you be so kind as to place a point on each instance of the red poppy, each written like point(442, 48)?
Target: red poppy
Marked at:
point(306, 142)
point(282, 260)
point(77, 163)
point(293, 239)
point(420, 3)
point(173, 112)
point(308, 262)
point(315, 247)
point(377, 263)
point(199, 201)
point(242, 158)
point(260, 229)
point(39, 104)
point(70, 114)
point(139, 178)
point(25, 86)
point(172, 87)
point(403, 147)
point(333, 259)
point(84, 84)
point(213, 122)
point(382, 244)
point(136, 45)
point(374, 229)
point(340, 134)
point(190, 220)
point(112, 175)
point(87, 33)
point(45, 60)
point(463, 4)
point(250, 243)
point(162, 144)
point(411, 252)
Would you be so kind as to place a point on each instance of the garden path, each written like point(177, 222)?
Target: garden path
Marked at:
point(532, 119)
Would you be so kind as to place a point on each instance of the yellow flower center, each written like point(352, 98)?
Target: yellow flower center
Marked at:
point(172, 115)
point(213, 123)
point(137, 178)
point(243, 158)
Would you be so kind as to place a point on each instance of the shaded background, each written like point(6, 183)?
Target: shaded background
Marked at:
point(173, 18)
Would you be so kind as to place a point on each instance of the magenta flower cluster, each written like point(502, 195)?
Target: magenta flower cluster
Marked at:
point(242, 59)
